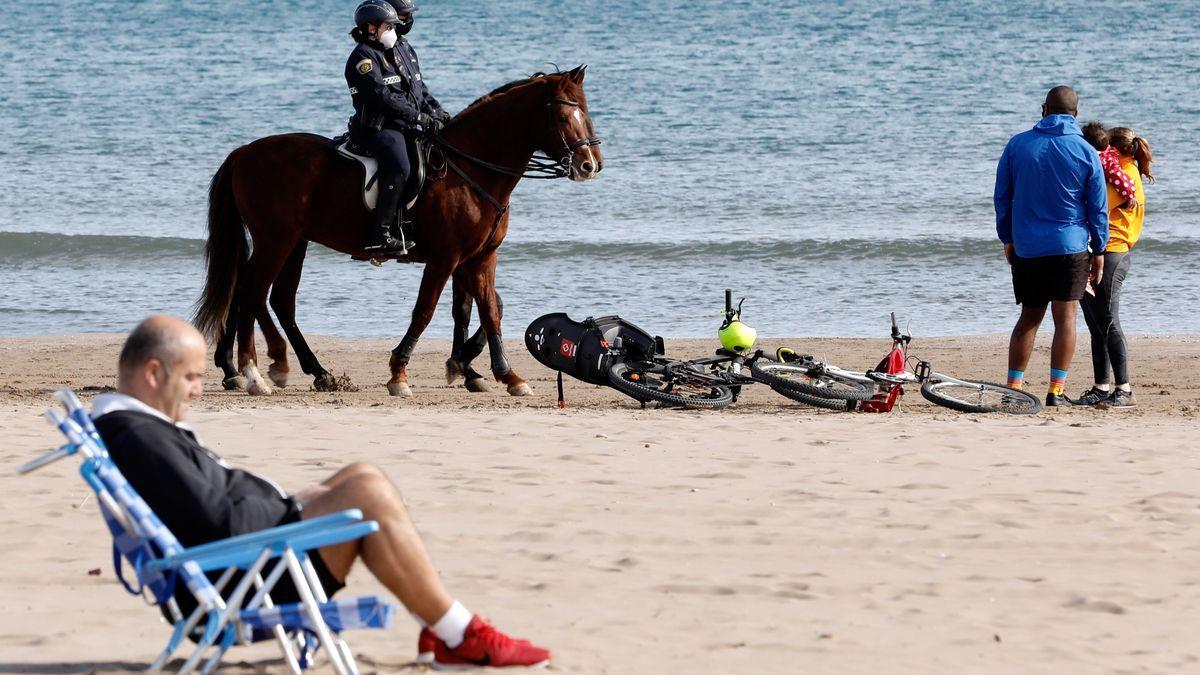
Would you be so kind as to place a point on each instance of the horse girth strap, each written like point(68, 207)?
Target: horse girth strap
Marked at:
point(501, 209)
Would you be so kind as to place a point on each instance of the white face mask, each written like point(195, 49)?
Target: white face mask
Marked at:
point(387, 38)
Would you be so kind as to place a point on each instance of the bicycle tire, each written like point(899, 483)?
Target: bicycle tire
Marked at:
point(974, 395)
point(717, 396)
point(838, 404)
point(799, 378)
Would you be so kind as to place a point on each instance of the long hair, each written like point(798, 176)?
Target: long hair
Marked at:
point(1131, 145)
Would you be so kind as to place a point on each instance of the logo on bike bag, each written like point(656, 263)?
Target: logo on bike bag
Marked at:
point(567, 348)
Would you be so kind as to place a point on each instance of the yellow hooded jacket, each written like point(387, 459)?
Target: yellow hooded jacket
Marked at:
point(1125, 225)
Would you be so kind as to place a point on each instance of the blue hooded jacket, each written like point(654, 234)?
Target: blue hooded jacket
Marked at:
point(1050, 195)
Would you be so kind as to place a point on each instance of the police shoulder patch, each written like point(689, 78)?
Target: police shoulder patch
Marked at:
point(364, 66)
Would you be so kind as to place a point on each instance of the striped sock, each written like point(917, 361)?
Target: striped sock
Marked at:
point(1016, 378)
point(1058, 381)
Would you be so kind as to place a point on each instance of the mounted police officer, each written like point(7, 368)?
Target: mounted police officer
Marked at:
point(391, 102)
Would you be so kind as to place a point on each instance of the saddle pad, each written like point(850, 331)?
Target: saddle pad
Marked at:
point(370, 173)
point(370, 167)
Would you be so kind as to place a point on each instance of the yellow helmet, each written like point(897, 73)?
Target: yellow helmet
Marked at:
point(736, 336)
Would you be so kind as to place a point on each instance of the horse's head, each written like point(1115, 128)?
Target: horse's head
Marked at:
point(570, 137)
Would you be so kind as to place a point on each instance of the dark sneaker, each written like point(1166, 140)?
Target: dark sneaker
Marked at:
point(1092, 396)
point(483, 645)
point(426, 643)
point(1058, 401)
point(1120, 400)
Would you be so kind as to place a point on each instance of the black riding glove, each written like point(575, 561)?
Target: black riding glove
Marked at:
point(425, 121)
point(442, 116)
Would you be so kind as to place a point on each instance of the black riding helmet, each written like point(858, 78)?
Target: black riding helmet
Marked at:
point(371, 12)
point(404, 7)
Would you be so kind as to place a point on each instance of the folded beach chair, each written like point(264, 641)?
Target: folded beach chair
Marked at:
point(219, 622)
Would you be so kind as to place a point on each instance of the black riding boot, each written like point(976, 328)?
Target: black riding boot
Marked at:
point(379, 233)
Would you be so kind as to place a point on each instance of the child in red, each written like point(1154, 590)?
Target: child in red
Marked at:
point(1095, 134)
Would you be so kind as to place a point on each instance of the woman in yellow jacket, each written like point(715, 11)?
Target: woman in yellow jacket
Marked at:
point(1101, 304)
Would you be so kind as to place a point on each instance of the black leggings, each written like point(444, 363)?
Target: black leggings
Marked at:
point(1102, 313)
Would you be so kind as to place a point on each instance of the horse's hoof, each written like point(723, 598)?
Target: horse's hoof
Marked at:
point(399, 389)
point(325, 382)
point(235, 383)
point(259, 388)
point(278, 377)
point(476, 385)
point(453, 371)
point(519, 389)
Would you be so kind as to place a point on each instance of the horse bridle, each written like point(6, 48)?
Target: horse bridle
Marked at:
point(542, 167)
point(538, 166)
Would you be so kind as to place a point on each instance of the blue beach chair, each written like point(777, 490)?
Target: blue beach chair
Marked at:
point(160, 564)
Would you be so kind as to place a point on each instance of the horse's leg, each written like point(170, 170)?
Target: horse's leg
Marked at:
point(260, 271)
point(481, 275)
point(223, 355)
point(276, 349)
point(459, 363)
point(432, 283)
point(474, 346)
point(283, 301)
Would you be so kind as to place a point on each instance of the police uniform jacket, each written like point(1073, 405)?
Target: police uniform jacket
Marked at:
point(386, 87)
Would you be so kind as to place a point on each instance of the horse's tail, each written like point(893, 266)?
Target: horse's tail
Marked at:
point(226, 253)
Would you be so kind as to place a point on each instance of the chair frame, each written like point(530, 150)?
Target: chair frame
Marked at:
point(160, 561)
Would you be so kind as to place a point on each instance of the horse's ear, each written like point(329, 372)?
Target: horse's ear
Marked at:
point(577, 74)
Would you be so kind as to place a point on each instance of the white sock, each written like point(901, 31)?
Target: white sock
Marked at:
point(452, 625)
point(1104, 387)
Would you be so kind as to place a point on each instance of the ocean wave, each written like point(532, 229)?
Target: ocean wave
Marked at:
point(18, 248)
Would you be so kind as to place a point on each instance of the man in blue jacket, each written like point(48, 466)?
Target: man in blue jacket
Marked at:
point(1051, 206)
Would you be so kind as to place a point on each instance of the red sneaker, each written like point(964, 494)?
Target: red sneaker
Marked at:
point(425, 645)
point(483, 645)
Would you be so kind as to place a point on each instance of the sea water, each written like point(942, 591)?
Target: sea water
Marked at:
point(831, 162)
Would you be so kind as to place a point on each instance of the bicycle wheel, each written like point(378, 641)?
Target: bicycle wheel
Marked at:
point(647, 381)
point(972, 396)
point(841, 405)
point(811, 381)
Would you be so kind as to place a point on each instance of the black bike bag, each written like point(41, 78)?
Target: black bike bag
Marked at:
point(582, 349)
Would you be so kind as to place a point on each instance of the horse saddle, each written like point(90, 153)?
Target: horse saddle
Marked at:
point(418, 153)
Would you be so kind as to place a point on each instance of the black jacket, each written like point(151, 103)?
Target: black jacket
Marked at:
point(196, 495)
point(386, 87)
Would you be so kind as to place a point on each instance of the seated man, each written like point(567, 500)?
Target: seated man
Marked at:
point(201, 498)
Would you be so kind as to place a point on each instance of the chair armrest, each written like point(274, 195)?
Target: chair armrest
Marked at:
point(245, 556)
point(256, 541)
point(263, 537)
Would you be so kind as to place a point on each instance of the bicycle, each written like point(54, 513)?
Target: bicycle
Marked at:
point(716, 381)
point(792, 371)
point(711, 382)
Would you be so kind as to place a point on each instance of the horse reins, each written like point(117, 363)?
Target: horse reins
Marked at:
point(543, 167)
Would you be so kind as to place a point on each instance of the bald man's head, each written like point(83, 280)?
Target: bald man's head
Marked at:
point(158, 337)
point(1061, 100)
point(162, 364)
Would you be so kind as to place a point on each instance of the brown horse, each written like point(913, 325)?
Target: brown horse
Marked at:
point(288, 190)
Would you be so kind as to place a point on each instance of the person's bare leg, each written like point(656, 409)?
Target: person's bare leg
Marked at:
point(1062, 350)
point(394, 554)
point(1020, 344)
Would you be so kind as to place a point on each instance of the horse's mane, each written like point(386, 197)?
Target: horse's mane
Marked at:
point(503, 88)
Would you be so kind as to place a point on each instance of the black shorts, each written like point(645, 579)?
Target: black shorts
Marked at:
point(1037, 281)
point(285, 590)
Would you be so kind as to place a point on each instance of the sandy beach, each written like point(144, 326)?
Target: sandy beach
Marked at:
point(764, 538)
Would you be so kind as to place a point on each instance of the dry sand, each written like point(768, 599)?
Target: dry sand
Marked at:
point(763, 538)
